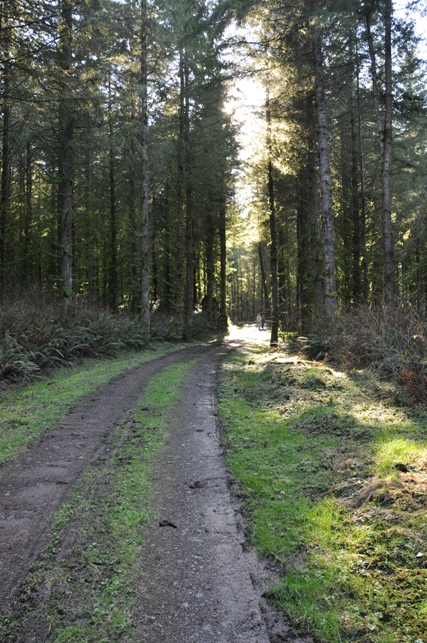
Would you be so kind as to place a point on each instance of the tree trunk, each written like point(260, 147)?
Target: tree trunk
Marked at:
point(389, 289)
point(364, 268)
point(374, 74)
point(385, 137)
point(325, 181)
point(315, 232)
point(274, 339)
point(304, 272)
point(210, 264)
point(223, 266)
point(133, 225)
point(66, 136)
point(145, 254)
point(179, 277)
point(189, 279)
point(264, 289)
point(113, 222)
point(5, 162)
point(28, 214)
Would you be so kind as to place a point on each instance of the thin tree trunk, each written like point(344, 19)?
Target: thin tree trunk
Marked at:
point(133, 217)
point(385, 130)
point(304, 272)
point(325, 182)
point(66, 136)
point(357, 250)
point(365, 290)
point(5, 163)
point(28, 214)
point(274, 339)
point(284, 295)
point(145, 255)
point(179, 277)
point(223, 267)
point(264, 289)
point(113, 222)
point(389, 288)
point(189, 278)
point(315, 233)
point(374, 75)
point(210, 264)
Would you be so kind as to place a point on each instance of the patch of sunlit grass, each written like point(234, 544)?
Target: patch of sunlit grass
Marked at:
point(392, 455)
point(318, 454)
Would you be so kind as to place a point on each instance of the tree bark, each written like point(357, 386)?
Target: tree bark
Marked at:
point(389, 287)
point(264, 289)
point(385, 130)
point(223, 265)
point(363, 215)
point(304, 248)
point(374, 74)
point(189, 279)
point(28, 214)
point(274, 339)
point(145, 254)
point(210, 264)
point(66, 136)
point(5, 162)
point(325, 181)
point(179, 277)
point(113, 215)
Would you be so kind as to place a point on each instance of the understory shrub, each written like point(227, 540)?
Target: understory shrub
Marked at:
point(37, 334)
point(391, 339)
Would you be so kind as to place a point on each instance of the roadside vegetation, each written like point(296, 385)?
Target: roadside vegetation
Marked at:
point(37, 335)
point(28, 410)
point(390, 339)
point(83, 587)
point(331, 461)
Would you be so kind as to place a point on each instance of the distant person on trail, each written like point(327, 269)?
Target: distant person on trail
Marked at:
point(259, 321)
point(262, 322)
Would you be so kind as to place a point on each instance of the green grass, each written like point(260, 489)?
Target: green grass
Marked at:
point(27, 411)
point(318, 452)
point(89, 594)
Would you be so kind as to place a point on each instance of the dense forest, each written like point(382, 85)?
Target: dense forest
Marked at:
point(120, 158)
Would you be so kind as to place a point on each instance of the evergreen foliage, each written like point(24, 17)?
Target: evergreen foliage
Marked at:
point(119, 161)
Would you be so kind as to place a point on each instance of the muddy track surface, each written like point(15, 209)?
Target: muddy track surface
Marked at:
point(200, 580)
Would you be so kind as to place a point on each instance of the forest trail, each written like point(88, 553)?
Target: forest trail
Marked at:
point(200, 580)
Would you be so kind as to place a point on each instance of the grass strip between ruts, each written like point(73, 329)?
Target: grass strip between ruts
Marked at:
point(84, 586)
point(334, 481)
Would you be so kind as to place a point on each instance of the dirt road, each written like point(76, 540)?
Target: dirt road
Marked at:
point(201, 581)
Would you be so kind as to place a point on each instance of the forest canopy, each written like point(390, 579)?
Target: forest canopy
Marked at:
point(121, 179)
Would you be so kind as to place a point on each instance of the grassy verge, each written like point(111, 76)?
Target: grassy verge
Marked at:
point(83, 588)
point(335, 481)
point(27, 411)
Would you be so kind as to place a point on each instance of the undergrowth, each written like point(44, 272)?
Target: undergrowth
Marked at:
point(334, 478)
point(391, 339)
point(84, 586)
point(37, 334)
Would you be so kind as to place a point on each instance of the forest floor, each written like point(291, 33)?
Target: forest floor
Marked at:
point(331, 464)
point(118, 522)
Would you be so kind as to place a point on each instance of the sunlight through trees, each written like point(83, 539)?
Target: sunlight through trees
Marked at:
point(224, 158)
